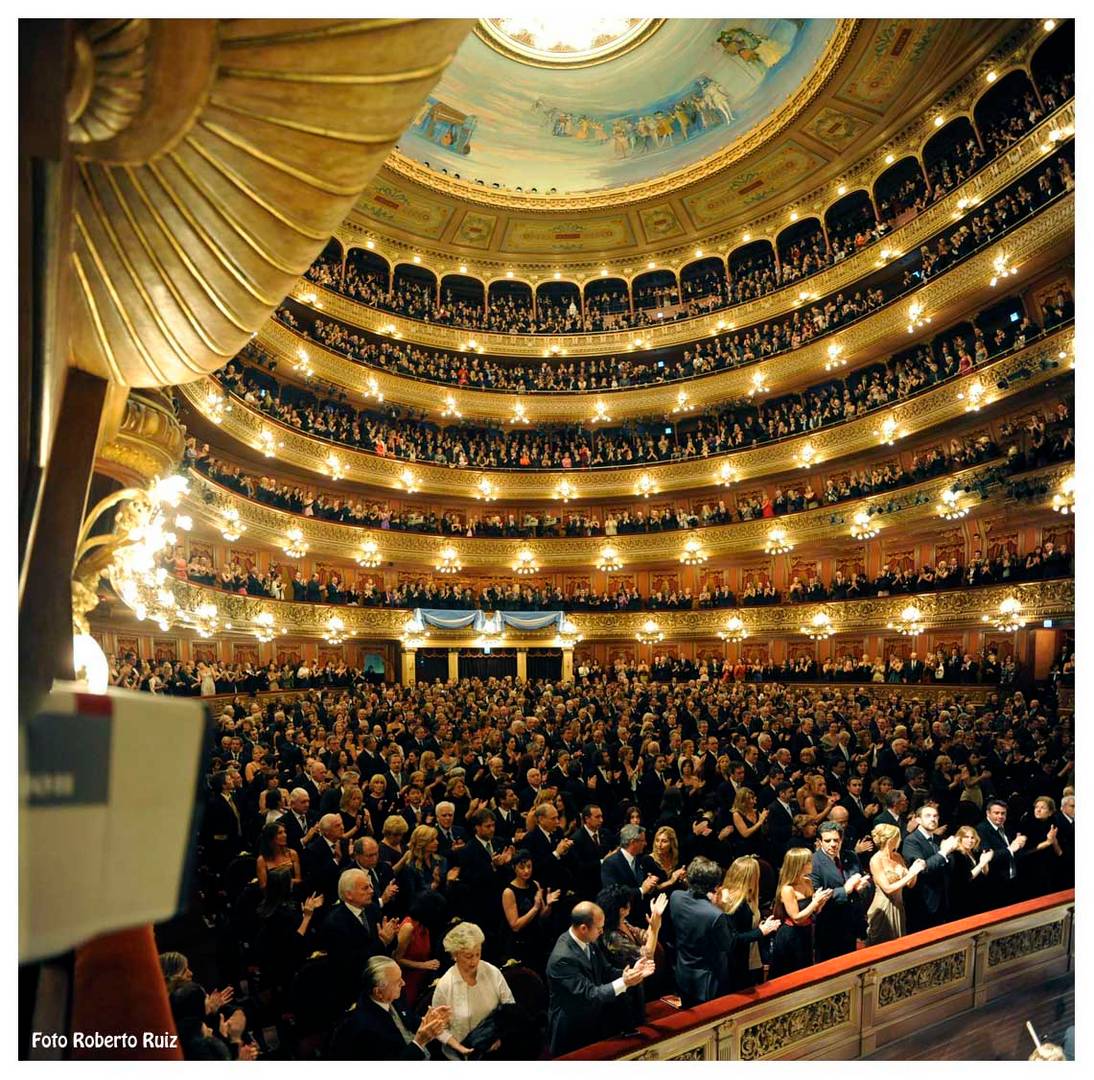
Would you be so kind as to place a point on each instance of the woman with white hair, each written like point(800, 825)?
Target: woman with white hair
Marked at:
point(471, 988)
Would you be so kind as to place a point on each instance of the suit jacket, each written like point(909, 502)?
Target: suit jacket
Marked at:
point(778, 831)
point(584, 1006)
point(507, 825)
point(368, 1033)
point(704, 943)
point(927, 903)
point(320, 869)
point(842, 921)
point(479, 883)
point(551, 871)
point(587, 857)
point(293, 833)
point(349, 944)
point(616, 870)
point(1004, 872)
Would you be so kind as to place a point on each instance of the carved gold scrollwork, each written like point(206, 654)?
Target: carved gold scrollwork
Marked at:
point(1025, 943)
point(768, 1038)
point(922, 978)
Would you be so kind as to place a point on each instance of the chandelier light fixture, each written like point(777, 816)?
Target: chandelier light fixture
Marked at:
point(567, 636)
point(650, 633)
point(819, 627)
point(565, 491)
point(216, 405)
point(232, 528)
point(264, 627)
point(335, 631)
point(835, 358)
point(1002, 268)
point(600, 413)
point(862, 526)
point(608, 559)
point(448, 561)
point(372, 389)
point(909, 623)
point(974, 397)
point(889, 431)
point(1008, 618)
point(369, 555)
point(205, 620)
point(268, 443)
point(759, 384)
point(693, 553)
point(734, 629)
point(1063, 502)
point(296, 548)
point(950, 507)
point(520, 416)
point(486, 489)
point(725, 475)
point(917, 317)
point(526, 562)
point(303, 367)
point(414, 633)
point(807, 456)
point(645, 486)
point(336, 468)
point(683, 403)
point(408, 481)
point(778, 543)
point(450, 407)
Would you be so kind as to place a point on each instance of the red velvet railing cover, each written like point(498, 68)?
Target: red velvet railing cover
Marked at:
point(659, 1027)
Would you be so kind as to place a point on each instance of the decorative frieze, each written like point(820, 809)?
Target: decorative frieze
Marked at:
point(1025, 943)
point(770, 1037)
point(922, 978)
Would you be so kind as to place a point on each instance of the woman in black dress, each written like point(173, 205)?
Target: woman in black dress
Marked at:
point(1041, 858)
point(527, 909)
point(283, 930)
point(740, 898)
point(795, 905)
point(968, 867)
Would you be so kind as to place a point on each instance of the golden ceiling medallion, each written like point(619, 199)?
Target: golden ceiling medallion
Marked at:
point(565, 42)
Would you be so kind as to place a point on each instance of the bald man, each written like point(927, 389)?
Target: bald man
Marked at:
point(591, 999)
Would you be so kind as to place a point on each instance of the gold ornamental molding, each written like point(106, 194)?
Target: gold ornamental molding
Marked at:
point(214, 158)
point(804, 95)
point(1048, 234)
point(489, 268)
point(852, 618)
point(149, 442)
point(825, 527)
point(921, 413)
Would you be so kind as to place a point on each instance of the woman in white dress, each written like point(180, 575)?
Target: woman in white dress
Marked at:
point(471, 988)
point(208, 684)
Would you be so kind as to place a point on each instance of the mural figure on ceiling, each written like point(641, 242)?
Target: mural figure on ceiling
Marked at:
point(758, 49)
point(694, 87)
point(449, 128)
point(664, 124)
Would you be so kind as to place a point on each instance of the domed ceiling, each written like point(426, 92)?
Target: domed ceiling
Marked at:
point(562, 106)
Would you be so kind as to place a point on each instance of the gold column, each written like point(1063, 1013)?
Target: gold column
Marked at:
point(522, 663)
point(409, 666)
point(567, 665)
point(454, 665)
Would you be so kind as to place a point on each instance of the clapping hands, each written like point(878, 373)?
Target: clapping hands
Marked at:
point(433, 1023)
point(643, 968)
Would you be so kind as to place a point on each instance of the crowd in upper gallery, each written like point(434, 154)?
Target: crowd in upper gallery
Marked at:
point(1039, 440)
point(283, 583)
point(755, 273)
point(721, 351)
point(394, 432)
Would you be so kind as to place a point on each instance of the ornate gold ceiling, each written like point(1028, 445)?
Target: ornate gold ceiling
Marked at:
point(875, 91)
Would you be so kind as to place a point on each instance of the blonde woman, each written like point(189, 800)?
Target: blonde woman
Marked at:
point(968, 865)
point(885, 919)
point(421, 868)
point(747, 823)
point(740, 899)
point(666, 859)
point(795, 905)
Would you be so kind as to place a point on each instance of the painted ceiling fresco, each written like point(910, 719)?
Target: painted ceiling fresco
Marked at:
point(694, 87)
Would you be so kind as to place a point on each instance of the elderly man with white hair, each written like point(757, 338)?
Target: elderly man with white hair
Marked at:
point(323, 857)
point(472, 990)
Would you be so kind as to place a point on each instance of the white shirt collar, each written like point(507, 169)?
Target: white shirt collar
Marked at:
point(583, 945)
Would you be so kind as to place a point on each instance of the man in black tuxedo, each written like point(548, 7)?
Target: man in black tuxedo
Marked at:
point(591, 845)
point(531, 790)
point(507, 816)
point(450, 836)
point(1065, 834)
point(314, 782)
point(323, 855)
point(1005, 867)
point(354, 930)
point(414, 809)
point(927, 903)
point(842, 921)
point(484, 872)
point(552, 861)
point(629, 866)
point(778, 829)
point(222, 826)
point(859, 812)
point(300, 823)
point(896, 809)
point(376, 1030)
point(365, 855)
point(590, 998)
